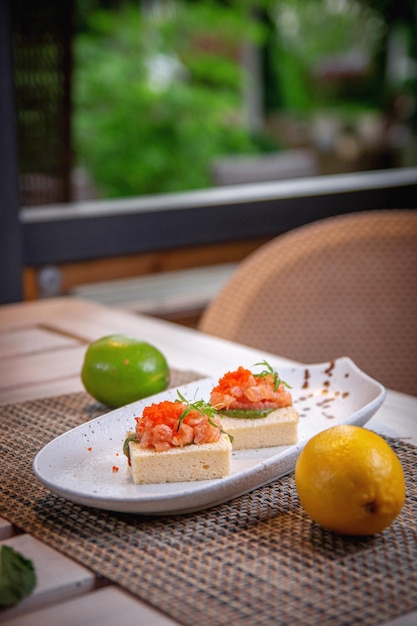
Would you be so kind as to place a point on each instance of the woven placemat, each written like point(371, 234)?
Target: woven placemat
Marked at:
point(256, 560)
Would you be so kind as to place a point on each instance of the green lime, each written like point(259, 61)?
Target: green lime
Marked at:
point(118, 369)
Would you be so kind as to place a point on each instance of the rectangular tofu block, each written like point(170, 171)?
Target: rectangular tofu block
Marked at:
point(279, 428)
point(194, 462)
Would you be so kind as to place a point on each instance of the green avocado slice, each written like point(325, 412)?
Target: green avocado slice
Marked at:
point(129, 437)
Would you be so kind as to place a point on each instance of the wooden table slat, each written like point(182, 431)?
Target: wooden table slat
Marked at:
point(107, 607)
point(6, 529)
point(30, 340)
point(37, 368)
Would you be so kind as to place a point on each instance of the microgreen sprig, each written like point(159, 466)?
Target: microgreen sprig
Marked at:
point(202, 407)
point(269, 371)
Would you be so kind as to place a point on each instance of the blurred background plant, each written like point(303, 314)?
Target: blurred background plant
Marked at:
point(161, 89)
point(158, 94)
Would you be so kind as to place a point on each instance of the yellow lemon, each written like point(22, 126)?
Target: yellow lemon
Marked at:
point(118, 369)
point(350, 481)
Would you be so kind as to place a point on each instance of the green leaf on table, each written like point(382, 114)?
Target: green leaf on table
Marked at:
point(17, 576)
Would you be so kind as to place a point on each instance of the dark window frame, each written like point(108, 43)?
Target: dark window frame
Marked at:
point(81, 231)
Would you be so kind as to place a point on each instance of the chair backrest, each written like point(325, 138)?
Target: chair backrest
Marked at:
point(342, 286)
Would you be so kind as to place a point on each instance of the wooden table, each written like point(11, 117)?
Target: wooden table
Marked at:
point(42, 345)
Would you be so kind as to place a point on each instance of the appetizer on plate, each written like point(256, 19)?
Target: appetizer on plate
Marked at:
point(256, 410)
point(178, 441)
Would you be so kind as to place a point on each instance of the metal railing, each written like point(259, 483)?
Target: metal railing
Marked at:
point(98, 229)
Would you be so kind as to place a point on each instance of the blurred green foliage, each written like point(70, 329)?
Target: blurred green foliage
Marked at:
point(356, 41)
point(158, 95)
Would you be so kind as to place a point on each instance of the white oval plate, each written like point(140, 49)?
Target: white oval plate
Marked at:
point(86, 464)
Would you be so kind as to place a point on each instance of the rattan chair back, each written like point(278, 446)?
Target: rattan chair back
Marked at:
point(341, 286)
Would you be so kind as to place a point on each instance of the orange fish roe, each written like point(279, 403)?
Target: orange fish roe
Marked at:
point(241, 389)
point(161, 427)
